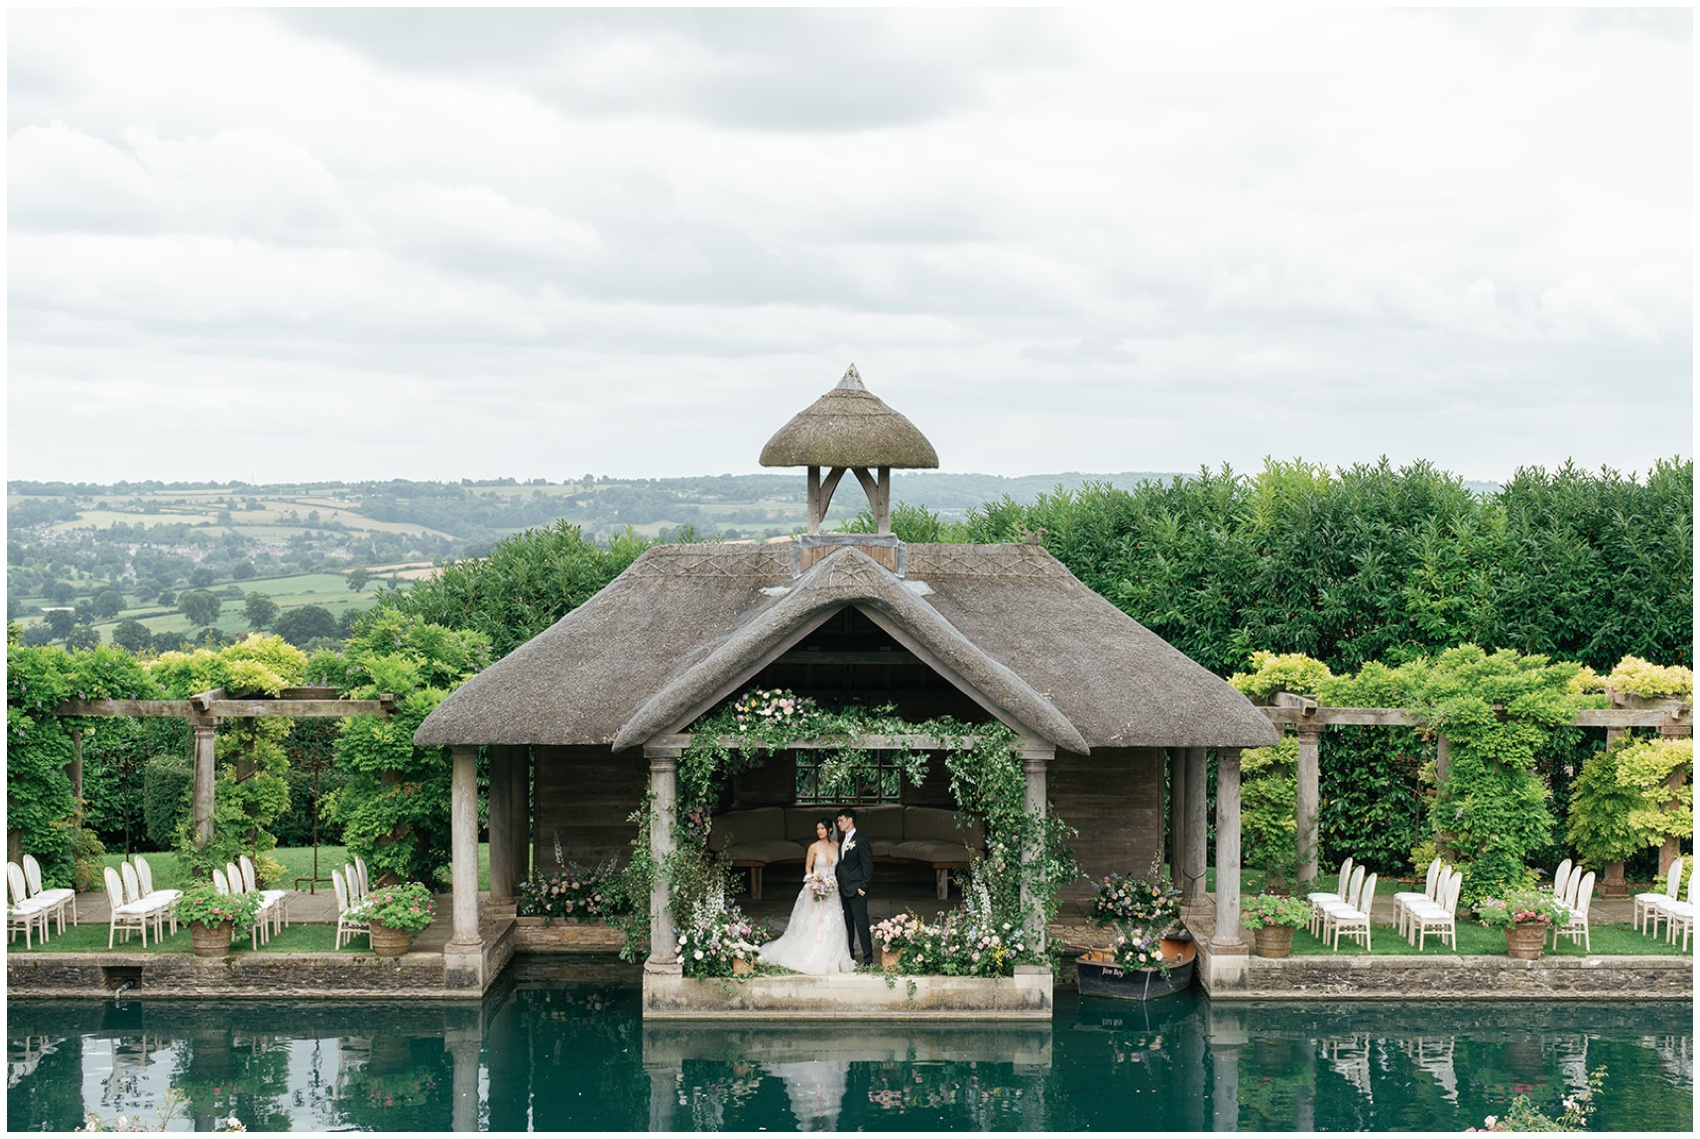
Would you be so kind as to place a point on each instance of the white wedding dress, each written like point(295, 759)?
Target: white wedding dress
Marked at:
point(815, 941)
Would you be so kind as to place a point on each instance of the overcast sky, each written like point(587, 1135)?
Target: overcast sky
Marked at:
point(433, 244)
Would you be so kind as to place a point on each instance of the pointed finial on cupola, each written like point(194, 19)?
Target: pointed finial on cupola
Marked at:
point(849, 429)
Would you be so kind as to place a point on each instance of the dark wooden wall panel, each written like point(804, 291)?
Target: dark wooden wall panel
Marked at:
point(1114, 798)
point(584, 795)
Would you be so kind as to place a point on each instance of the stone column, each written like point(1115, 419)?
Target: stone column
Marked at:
point(463, 850)
point(1197, 837)
point(1226, 939)
point(664, 785)
point(1035, 758)
point(1309, 799)
point(1177, 814)
point(663, 1095)
point(520, 771)
point(501, 827)
point(1225, 1068)
point(201, 800)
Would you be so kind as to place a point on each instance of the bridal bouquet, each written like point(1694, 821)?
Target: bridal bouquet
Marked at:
point(822, 886)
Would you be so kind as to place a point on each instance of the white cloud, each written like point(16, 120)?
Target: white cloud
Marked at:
point(1069, 240)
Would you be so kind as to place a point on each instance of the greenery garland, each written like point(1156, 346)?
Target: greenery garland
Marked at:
point(981, 760)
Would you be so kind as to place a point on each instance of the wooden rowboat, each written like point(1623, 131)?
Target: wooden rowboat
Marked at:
point(1099, 976)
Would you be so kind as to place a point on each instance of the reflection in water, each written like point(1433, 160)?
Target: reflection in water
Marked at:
point(547, 1055)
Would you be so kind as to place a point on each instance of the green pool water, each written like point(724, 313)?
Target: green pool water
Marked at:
point(566, 1051)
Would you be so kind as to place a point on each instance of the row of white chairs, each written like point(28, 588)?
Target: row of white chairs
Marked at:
point(134, 904)
point(1434, 910)
point(239, 877)
point(1573, 888)
point(1669, 908)
point(1345, 914)
point(351, 886)
point(32, 906)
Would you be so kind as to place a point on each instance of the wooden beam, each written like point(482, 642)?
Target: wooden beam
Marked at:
point(1322, 716)
point(682, 740)
point(203, 701)
point(227, 709)
point(810, 656)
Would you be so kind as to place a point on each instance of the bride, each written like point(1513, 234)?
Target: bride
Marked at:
point(815, 940)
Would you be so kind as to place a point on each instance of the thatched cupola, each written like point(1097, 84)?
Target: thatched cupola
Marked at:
point(850, 429)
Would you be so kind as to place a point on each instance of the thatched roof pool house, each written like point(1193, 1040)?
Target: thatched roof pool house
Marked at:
point(588, 715)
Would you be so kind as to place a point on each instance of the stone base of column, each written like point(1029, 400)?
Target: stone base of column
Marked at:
point(1230, 948)
point(463, 966)
point(498, 907)
point(664, 968)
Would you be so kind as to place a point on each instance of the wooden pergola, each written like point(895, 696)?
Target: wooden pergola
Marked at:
point(1673, 719)
point(204, 712)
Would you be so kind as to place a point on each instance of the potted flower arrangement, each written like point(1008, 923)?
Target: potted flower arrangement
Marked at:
point(214, 918)
point(1525, 916)
point(575, 893)
point(395, 915)
point(1272, 919)
point(894, 935)
point(963, 945)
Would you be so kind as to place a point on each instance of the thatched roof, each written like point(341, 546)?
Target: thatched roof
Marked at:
point(849, 426)
point(686, 625)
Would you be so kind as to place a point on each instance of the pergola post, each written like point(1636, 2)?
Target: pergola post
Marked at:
point(501, 826)
point(463, 850)
point(664, 785)
point(520, 773)
point(1195, 848)
point(1308, 801)
point(1035, 759)
point(201, 795)
point(1177, 814)
point(1226, 940)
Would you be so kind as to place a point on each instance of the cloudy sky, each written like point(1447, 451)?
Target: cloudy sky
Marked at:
point(434, 244)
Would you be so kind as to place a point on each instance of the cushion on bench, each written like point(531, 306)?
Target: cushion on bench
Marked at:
point(765, 850)
point(747, 826)
point(930, 850)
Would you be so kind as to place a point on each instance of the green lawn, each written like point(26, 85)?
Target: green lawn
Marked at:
point(91, 937)
point(1478, 940)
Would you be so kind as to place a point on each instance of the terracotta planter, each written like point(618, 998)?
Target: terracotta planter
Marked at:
point(741, 966)
point(1273, 940)
point(211, 940)
point(387, 942)
point(1524, 941)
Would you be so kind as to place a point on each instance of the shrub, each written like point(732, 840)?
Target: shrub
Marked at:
point(166, 784)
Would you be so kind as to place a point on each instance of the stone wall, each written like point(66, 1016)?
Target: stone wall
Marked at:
point(667, 995)
point(1115, 799)
point(584, 795)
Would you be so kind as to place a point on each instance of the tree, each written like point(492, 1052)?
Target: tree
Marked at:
point(201, 577)
point(83, 637)
point(201, 606)
point(305, 622)
point(259, 609)
point(133, 635)
point(107, 603)
point(242, 570)
point(61, 622)
point(358, 577)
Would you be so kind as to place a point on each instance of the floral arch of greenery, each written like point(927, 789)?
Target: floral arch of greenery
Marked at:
point(1027, 858)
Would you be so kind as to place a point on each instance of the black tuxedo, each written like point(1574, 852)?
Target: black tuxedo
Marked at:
point(855, 879)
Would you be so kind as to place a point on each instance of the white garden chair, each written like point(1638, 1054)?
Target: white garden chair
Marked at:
point(1647, 905)
point(58, 899)
point(125, 915)
point(1346, 901)
point(1402, 899)
point(1440, 915)
point(24, 913)
point(365, 879)
point(1679, 913)
point(1317, 897)
point(1580, 902)
point(353, 882)
point(167, 898)
point(1353, 921)
point(155, 908)
point(272, 902)
point(1561, 879)
point(347, 928)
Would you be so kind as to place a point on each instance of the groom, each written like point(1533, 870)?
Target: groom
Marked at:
point(855, 877)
